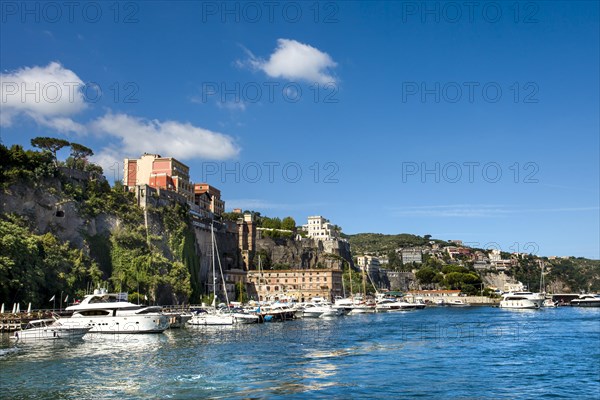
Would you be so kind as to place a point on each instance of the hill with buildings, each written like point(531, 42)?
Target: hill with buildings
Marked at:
point(426, 258)
point(64, 230)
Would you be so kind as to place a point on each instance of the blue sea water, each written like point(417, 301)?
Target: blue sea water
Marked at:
point(439, 353)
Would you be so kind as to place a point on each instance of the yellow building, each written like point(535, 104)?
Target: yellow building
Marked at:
point(300, 284)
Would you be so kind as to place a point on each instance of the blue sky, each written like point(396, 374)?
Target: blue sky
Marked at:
point(480, 124)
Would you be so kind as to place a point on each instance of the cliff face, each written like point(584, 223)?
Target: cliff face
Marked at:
point(47, 208)
point(48, 211)
point(283, 253)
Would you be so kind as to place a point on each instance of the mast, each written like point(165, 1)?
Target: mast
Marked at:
point(364, 283)
point(215, 247)
point(350, 270)
point(343, 284)
point(542, 283)
point(373, 284)
point(212, 239)
point(260, 277)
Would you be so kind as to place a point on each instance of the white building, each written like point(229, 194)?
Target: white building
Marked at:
point(495, 255)
point(368, 263)
point(412, 255)
point(320, 228)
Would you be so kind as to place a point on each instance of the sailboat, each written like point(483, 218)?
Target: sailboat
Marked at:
point(359, 306)
point(214, 316)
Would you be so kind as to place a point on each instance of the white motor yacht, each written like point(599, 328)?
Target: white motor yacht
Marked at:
point(522, 300)
point(550, 303)
point(457, 303)
point(205, 318)
point(587, 300)
point(389, 305)
point(320, 310)
point(50, 329)
point(112, 313)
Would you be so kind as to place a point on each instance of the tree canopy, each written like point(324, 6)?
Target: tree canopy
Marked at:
point(50, 144)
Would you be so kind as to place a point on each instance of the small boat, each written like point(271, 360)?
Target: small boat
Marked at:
point(278, 312)
point(205, 318)
point(549, 303)
point(178, 319)
point(240, 316)
point(224, 315)
point(587, 300)
point(457, 303)
point(320, 308)
point(362, 309)
point(50, 329)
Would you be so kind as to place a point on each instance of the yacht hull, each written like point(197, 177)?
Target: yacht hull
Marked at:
point(521, 304)
point(211, 320)
point(50, 334)
point(121, 324)
point(576, 303)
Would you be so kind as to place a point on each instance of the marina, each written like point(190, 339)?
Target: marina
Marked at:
point(351, 356)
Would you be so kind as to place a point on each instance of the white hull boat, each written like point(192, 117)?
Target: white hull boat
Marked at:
point(458, 303)
point(586, 300)
point(522, 300)
point(111, 313)
point(320, 311)
point(206, 319)
point(49, 329)
point(362, 309)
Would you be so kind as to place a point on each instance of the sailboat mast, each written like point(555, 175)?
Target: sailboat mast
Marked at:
point(212, 239)
point(221, 270)
point(350, 270)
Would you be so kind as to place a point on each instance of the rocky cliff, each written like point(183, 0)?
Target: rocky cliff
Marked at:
point(305, 253)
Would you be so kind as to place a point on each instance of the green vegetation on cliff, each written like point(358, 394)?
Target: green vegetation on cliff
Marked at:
point(34, 267)
point(378, 243)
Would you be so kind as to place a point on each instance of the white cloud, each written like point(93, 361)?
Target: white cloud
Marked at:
point(296, 61)
point(132, 136)
point(49, 95)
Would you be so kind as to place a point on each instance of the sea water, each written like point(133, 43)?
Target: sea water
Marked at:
point(465, 353)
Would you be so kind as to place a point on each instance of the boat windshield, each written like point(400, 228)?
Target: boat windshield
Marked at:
point(104, 299)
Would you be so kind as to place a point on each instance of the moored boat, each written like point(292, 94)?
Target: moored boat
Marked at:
point(112, 313)
point(522, 300)
point(207, 318)
point(587, 300)
point(50, 329)
point(458, 303)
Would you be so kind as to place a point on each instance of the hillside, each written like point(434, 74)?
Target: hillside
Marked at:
point(377, 243)
point(65, 230)
point(562, 274)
